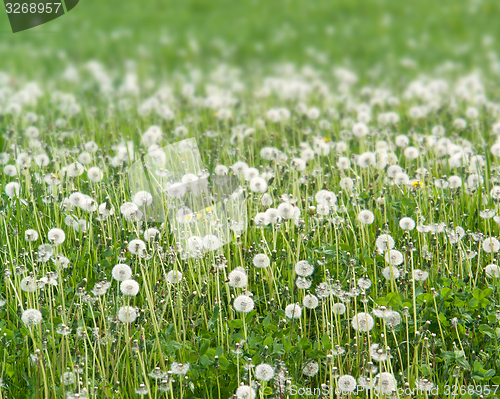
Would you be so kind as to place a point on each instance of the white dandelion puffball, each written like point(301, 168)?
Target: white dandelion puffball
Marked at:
point(12, 189)
point(411, 153)
point(129, 287)
point(30, 317)
point(492, 271)
point(239, 167)
point(137, 247)
point(68, 378)
point(303, 283)
point(258, 185)
point(211, 242)
point(293, 311)
point(151, 234)
point(362, 322)
point(310, 301)
point(121, 272)
point(264, 372)
point(366, 217)
point(325, 197)
point(31, 235)
point(243, 303)
point(407, 223)
point(311, 369)
point(95, 174)
point(245, 392)
point(346, 383)
point(384, 242)
point(75, 169)
point(338, 308)
point(394, 257)
point(385, 383)
point(221, 170)
point(127, 314)
point(392, 318)
point(56, 236)
point(391, 272)
point(420, 275)
point(303, 268)
point(29, 284)
point(174, 276)
point(238, 278)
point(142, 198)
point(179, 368)
point(261, 261)
point(491, 244)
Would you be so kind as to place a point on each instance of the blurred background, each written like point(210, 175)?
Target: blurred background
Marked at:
point(161, 37)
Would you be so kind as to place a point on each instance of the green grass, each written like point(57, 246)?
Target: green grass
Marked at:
point(449, 331)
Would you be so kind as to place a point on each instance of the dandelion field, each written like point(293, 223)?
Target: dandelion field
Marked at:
point(359, 158)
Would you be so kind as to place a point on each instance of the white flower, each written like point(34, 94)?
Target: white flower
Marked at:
point(298, 164)
point(394, 257)
point(31, 317)
point(346, 383)
point(238, 278)
point(121, 272)
point(264, 372)
point(245, 392)
point(491, 244)
point(261, 260)
point(74, 169)
point(243, 303)
point(392, 318)
point(293, 311)
point(311, 369)
point(411, 152)
point(142, 198)
point(366, 217)
point(174, 276)
point(68, 378)
point(239, 167)
point(29, 284)
point(221, 170)
point(211, 242)
point(95, 174)
point(77, 199)
point(105, 210)
point(364, 283)
point(385, 383)
point(137, 247)
point(151, 234)
point(362, 322)
point(384, 242)
point(127, 314)
point(420, 275)
point(31, 235)
point(310, 301)
point(12, 189)
point(258, 185)
point(129, 287)
point(391, 272)
point(56, 236)
point(407, 223)
point(10, 170)
point(326, 197)
point(179, 368)
point(378, 354)
point(250, 173)
point(492, 271)
point(303, 268)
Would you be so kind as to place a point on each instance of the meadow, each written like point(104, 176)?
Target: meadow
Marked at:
point(251, 199)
